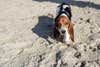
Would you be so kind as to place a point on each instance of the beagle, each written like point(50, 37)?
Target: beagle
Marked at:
point(63, 27)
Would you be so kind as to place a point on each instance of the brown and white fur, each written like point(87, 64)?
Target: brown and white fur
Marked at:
point(63, 25)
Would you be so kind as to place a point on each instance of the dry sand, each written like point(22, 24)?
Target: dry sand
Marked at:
point(26, 38)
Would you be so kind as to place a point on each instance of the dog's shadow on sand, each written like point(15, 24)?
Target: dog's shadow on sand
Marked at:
point(44, 27)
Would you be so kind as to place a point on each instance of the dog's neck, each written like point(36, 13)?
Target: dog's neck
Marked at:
point(66, 14)
point(63, 13)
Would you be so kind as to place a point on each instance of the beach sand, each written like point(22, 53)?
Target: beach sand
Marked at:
point(26, 37)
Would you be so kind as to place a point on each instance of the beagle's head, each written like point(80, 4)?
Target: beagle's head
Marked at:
point(65, 28)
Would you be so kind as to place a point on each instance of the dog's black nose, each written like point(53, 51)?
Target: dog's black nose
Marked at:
point(63, 31)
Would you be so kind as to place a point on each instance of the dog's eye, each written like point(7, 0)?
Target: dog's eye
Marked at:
point(56, 25)
point(66, 23)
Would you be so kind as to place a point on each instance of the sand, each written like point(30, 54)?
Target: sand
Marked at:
point(26, 38)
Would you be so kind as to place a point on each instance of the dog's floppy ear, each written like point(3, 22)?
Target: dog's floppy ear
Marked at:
point(71, 31)
point(56, 32)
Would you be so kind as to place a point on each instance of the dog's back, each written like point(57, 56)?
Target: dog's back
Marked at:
point(64, 8)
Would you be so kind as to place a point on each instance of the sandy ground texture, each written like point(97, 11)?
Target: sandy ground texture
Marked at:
point(26, 38)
